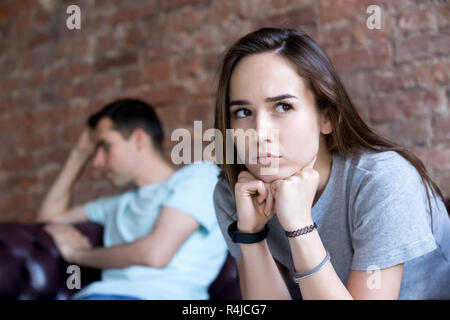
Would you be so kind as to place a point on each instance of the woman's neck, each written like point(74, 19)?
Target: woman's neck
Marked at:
point(323, 167)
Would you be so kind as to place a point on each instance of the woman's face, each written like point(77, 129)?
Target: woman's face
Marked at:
point(267, 95)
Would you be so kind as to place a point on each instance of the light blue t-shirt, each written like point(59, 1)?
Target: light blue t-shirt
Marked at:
point(132, 215)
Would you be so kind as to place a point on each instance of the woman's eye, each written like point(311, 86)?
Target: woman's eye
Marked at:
point(283, 107)
point(241, 113)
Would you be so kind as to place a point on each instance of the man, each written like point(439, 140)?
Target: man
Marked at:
point(161, 239)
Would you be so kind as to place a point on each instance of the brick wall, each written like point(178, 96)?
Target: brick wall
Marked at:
point(166, 52)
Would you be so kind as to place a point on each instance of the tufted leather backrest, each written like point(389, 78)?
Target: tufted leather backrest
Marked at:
point(32, 268)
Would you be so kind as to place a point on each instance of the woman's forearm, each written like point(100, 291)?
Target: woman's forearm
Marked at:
point(261, 278)
point(308, 252)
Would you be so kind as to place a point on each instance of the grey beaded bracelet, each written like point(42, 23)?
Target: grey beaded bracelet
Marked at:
point(298, 276)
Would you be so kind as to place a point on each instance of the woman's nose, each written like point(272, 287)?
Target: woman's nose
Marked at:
point(265, 127)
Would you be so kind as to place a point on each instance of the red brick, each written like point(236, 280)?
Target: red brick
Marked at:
point(443, 181)
point(52, 155)
point(203, 88)
point(291, 19)
point(212, 61)
point(21, 182)
point(176, 21)
point(418, 20)
point(421, 47)
point(11, 124)
point(210, 38)
point(80, 69)
point(71, 133)
point(38, 140)
point(202, 110)
point(74, 46)
point(376, 55)
point(412, 132)
point(333, 10)
point(174, 4)
point(404, 104)
point(11, 206)
point(251, 9)
point(39, 39)
point(434, 157)
point(119, 60)
point(132, 78)
point(172, 115)
point(383, 129)
point(159, 72)
point(357, 85)
point(105, 84)
point(163, 95)
point(189, 67)
point(79, 90)
point(362, 34)
point(442, 129)
point(430, 75)
point(329, 37)
point(16, 163)
point(288, 4)
point(392, 80)
point(362, 107)
point(180, 43)
point(56, 74)
point(220, 11)
point(135, 36)
point(139, 10)
point(443, 15)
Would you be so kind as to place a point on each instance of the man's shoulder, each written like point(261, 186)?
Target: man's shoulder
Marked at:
point(197, 169)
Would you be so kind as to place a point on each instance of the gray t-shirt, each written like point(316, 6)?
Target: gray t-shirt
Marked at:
point(372, 214)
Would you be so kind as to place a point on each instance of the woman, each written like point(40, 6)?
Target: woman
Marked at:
point(336, 188)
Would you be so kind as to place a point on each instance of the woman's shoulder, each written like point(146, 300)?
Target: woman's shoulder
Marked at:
point(381, 162)
point(223, 188)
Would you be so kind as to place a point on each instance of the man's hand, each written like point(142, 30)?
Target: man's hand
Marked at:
point(68, 240)
point(85, 144)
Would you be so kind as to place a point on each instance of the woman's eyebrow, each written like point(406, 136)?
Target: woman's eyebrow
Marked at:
point(270, 99)
point(280, 97)
point(238, 102)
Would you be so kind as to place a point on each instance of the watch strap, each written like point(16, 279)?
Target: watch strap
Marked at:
point(247, 238)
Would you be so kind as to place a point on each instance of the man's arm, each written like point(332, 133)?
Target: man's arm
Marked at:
point(56, 202)
point(172, 228)
point(75, 215)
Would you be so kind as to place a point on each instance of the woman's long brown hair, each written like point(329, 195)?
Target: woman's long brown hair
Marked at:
point(350, 135)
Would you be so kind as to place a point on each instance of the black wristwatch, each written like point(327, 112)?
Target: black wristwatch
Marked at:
point(239, 237)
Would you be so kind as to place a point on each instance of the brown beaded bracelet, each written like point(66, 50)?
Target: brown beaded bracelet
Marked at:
point(302, 231)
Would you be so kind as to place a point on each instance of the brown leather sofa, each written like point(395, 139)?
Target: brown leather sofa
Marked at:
point(31, 267)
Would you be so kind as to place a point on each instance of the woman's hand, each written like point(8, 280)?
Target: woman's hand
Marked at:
point(294, 197)
point(254, 203)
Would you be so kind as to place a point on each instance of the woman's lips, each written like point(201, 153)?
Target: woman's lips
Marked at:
point(266, 159)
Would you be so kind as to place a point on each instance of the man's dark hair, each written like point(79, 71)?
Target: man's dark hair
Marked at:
point(128, 115)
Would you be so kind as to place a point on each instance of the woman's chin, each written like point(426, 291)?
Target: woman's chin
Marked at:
point(268, 175)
